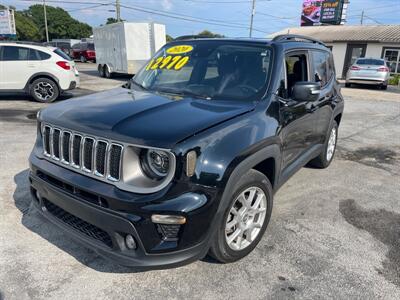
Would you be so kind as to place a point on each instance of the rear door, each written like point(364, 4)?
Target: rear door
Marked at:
point(14, 67)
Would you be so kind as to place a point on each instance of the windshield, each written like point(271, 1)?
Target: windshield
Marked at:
point(211, 70)
point(374, 62)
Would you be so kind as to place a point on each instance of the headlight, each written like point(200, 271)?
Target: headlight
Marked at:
point(155, 163)
point(147, 170)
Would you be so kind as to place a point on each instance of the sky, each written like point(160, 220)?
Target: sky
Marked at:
point(232, 16)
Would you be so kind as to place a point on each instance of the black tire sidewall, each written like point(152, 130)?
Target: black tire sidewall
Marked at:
point(55, 88)
point(221, 250)
point(100, 69)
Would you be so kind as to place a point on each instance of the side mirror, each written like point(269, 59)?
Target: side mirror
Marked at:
point(306, 91)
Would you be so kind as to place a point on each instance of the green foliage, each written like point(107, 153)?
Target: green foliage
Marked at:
point(394, 80)
point(169, 38)
point(60, 23)
point(112, 21)
point(26, 28)
point(30, 24)
point(209, 34)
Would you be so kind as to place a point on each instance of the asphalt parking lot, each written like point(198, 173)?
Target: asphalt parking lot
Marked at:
point(334, 233)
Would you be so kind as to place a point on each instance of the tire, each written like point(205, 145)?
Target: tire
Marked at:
point(100, 69)
point(107, 72)
point(82, 59)
point(383, 87)
point(323, 160)
point(347, 84)
point(44, 90)
point(223, 250)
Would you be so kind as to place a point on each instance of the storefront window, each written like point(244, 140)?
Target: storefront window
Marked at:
point(392, 57)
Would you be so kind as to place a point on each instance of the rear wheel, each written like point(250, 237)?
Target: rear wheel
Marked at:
point(44, 90)
point(245, 219)
point(384, 87)
point(347, 84)
point(325, 158)
point(107, 72)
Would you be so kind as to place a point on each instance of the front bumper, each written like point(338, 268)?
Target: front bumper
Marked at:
point(65, 201)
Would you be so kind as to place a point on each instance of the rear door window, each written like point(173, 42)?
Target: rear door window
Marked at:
point(321, 63)
point(38, 55)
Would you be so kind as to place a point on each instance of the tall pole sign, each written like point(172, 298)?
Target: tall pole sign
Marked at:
point(323, 12)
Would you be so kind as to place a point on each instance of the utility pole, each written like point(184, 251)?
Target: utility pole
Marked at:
point(253, 11)
point(45, 20)
point(118, 10)
point(362, 18)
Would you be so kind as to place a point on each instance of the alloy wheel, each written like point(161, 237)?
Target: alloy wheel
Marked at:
point(44, 91)
point(245, 219)
point(331, 145)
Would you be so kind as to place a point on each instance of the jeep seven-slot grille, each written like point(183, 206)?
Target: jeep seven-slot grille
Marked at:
point(86, 154)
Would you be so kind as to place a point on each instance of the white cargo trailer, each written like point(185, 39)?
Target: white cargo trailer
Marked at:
point(126, 47)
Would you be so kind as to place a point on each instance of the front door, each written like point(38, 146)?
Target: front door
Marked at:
point(353, 52)
point(296, 118)
point(14, 71)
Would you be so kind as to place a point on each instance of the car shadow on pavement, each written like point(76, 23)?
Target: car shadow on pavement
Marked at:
point(25, 97)
point(36, 223)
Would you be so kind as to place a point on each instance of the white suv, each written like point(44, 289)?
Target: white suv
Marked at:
point(43, 72)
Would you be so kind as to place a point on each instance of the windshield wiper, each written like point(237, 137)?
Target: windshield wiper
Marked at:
point(183, 93)
point(138, 84)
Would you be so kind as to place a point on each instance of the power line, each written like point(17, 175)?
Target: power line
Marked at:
point(190, 18)
point(88, 7)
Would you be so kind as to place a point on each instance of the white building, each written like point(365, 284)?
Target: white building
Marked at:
point(350, 42)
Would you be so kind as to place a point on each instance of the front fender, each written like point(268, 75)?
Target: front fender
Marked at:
point(249, 138)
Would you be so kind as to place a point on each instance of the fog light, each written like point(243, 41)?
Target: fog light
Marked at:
point(130, 242)
point(168, 219)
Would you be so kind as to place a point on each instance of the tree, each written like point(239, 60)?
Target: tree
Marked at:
point(26, 28)
point(113, 20)
point(169, 38)
point(209, 34)
point(60, 23)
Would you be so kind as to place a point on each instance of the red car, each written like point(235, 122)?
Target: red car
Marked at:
point(83, 51)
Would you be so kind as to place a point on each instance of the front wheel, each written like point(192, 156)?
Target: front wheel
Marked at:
point(325, 158)
point(245, 219)
point(44, 90)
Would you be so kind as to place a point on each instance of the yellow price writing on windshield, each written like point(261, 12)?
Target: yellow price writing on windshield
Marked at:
point(168, 62)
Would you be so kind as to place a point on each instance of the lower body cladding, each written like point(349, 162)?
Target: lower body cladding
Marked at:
point(117, 224)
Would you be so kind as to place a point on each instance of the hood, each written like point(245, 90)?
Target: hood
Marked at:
point(141, 118)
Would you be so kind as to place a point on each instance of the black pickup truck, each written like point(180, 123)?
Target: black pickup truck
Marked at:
point(184, 160)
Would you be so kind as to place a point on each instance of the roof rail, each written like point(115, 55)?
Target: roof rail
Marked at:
point(191, 37)
point(22, 42)
point(295, 37)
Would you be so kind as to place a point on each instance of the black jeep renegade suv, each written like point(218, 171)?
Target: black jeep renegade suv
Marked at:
point(185, 159)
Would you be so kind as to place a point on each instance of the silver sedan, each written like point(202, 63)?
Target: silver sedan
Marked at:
point(373, 71)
